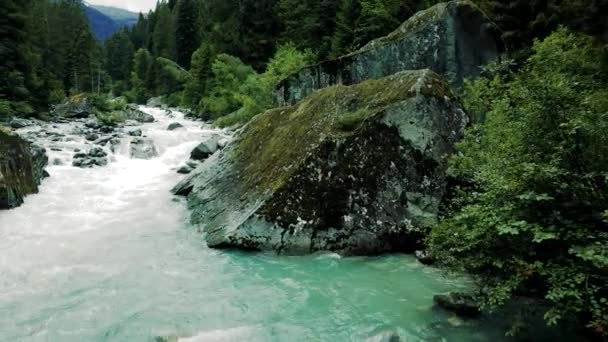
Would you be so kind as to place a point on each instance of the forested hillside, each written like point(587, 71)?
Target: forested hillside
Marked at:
point(527, 211)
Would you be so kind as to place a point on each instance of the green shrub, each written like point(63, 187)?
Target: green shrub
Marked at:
point(6, 109)
point(111, 118)
point(533, 220)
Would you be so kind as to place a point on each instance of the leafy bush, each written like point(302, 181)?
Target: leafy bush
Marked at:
point(111, 118)
point(237, 90)
point(6, 109)
point(533, 222)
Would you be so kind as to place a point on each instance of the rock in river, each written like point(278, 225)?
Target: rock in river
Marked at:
point(21, 169)
point(459, 303)
point(205, 149)
point(143, 148)
point(350, 169)
point(453, 39)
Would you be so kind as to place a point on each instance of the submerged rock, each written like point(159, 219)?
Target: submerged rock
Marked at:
point(453, 39)
point(21, 169)
point(174, 125)
point(459, 303)
point(349, 169)
point(142, 148)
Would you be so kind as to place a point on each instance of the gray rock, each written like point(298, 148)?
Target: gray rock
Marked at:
point(57, 161)
point(97, 152)
point(91, 137)
point(223, 143)
point(205, 149)
point(21, 169)
point(356, 177)
point(385, 336)
point(453, 39)
point(103, 140)
point(424, 257)
point(174, 126)
point(193, 164)
point(459, 303)
point(93, 123)
point(143, 149)
point(135, 133)
point(19, 123)
point(106, 129)
point(134, 113)
point(155, 102)
point(75, 107)
point(184, 169)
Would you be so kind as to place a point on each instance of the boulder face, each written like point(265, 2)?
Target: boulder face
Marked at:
point(453, 39)
point(21, 169)
point(350, 169)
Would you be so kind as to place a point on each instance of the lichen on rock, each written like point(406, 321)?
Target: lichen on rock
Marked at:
point(453, 39)
point(352, 169)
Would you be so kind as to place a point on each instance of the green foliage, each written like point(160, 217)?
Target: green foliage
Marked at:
point(171, 77)
point(200, 76)
point(111, 118)
point(6, 109)
point(186, 31)
point(140, 88)
point(532, 221)
point(238, 91)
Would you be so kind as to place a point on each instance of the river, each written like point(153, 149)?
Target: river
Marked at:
point(107, 254)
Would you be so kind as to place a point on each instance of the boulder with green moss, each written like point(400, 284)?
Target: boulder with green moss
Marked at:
point(21, 168)
point(453, 39)
point(353, 169)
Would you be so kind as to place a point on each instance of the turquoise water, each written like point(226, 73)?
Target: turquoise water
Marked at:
point(107, 254)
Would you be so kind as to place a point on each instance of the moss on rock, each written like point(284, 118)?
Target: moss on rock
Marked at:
point(334, 171)
point(21, 167)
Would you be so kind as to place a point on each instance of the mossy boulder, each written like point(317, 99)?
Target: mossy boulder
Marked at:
point(21, 168)
point(453, 39)
point(353, 169)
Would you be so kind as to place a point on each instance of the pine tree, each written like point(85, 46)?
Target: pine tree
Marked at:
point(163, 37)
point(186, 32)
point(344, 35)
point(200, 76)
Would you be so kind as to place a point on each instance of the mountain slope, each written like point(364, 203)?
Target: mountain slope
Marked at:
point(107, 20)
point(119, 15)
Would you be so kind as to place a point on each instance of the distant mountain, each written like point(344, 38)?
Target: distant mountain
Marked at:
point(119, 15)
point(107, 20)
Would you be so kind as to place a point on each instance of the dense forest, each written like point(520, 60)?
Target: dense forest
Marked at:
point(528, 211)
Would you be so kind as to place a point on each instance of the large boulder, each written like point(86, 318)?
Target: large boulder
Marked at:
point(74, 107)
point(351, 169)
point(21, 169)
point(453, 39)
point(132, 112)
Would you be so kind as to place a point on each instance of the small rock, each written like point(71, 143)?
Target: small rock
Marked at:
point(193, 164)
point(19, 123)
point(92, 124)
point(424, 257)
point(97, 152)
point(143, 149)
point(174, 126)
point(102, 141)
point(135, 133)
point(222, 143)
point(57, 162)
point(458, 303)
point(106, 129)
point(386, 336)
point(91, 137)
point(184, 170)
point(205, 149)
